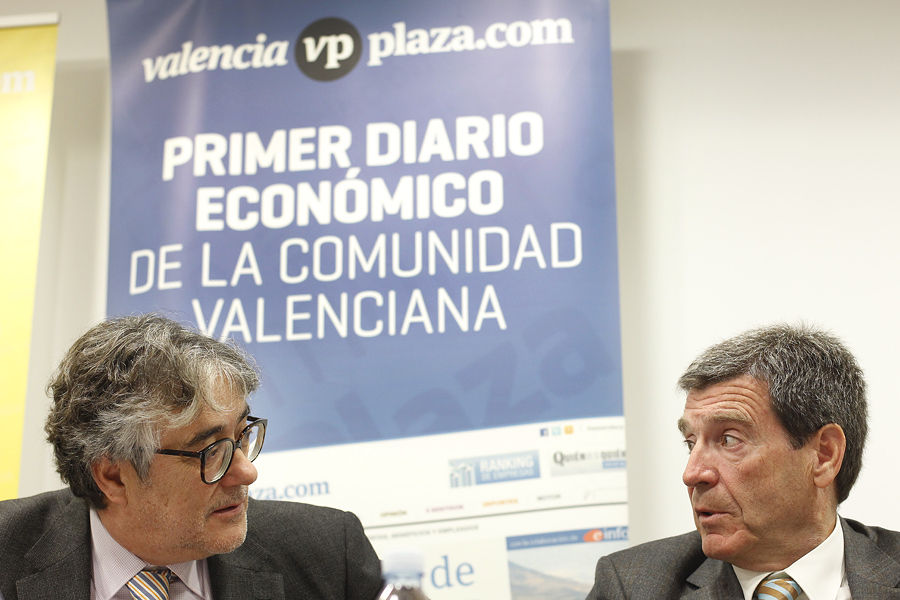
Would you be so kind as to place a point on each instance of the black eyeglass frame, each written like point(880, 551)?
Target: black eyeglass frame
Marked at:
point(201, 454)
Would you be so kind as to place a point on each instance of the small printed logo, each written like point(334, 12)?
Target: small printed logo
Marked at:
point(328, 49)
point(573, 462)
point(465, 472)
point(594, 535)
point(557, 430)
point(607, 534)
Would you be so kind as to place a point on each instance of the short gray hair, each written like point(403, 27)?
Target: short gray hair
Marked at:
point(812, 379)
point(123, 381)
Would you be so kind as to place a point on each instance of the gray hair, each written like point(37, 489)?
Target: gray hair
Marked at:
point(125, 380)
point(812, 379)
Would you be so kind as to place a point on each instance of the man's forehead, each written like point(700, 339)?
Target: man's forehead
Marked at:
point(743, 390)
point(692, 420)
point(222, 411)
point(742, 399)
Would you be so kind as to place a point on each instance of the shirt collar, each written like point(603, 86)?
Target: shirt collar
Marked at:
point(819, 573)
point(113, 565)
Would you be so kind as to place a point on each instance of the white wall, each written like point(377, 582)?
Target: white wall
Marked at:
point(757, 149)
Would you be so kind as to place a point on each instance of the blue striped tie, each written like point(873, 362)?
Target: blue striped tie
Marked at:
point(150, 584)
point(778, 586)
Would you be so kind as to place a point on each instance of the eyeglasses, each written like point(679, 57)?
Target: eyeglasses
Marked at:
point(216, 458)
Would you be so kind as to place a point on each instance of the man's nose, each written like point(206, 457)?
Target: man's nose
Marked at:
point(699, 470)
point(241, 471)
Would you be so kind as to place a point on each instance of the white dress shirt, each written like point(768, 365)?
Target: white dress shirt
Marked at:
point(820, 573)
point(113, 566)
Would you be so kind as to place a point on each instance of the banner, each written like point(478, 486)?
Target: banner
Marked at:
point(27, 63)
point(406, 213)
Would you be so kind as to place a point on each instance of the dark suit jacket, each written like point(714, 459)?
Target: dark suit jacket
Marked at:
point(677, 568)
point(292, 551)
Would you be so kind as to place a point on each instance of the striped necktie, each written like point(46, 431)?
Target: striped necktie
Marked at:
point(778, 586)
point(150, 584)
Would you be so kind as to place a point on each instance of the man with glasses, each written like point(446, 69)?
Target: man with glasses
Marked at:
point(152, 431)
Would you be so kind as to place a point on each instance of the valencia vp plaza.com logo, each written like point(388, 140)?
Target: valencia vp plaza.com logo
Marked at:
point(330, 48)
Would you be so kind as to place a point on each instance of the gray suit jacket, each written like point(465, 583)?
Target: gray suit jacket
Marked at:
point(677, 568)
point(292, 551)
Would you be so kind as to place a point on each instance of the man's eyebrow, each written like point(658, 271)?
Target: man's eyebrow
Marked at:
point(721, 416)
point(205, 434)
point(210, 432)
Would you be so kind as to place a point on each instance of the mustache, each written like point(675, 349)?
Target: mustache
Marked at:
point(238, 497)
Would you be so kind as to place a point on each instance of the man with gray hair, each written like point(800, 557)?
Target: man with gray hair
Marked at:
point(775, 425)
point(151, 429)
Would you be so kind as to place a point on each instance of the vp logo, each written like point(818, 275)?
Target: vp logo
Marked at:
point(328, 49)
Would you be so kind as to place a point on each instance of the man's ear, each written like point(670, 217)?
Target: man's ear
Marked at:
point(829, 444)
point(108, 477)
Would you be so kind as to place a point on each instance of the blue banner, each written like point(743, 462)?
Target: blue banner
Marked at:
point(404, 210)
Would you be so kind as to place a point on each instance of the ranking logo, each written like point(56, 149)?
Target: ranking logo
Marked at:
point(498, 468)
point(328, 49)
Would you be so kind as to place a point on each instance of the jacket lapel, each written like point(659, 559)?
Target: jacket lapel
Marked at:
point(60, 561)
point(714, 580)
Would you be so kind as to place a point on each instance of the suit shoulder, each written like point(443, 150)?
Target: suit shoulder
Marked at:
point(38, 502)
point(317, 546)
point(32, 513)
point(24, 521)
point(680, 553)
point(659, 569)
point(267, 509)
point(305, 521)
point(886, 540)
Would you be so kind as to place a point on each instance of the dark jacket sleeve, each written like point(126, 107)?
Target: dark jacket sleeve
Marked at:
point(363, 566)
point(607, 585)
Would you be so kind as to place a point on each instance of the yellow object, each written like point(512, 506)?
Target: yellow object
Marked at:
point(27, 63)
